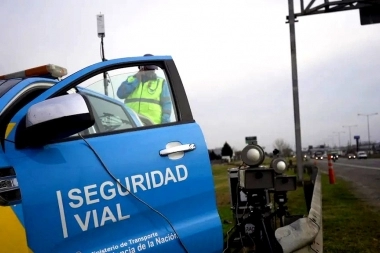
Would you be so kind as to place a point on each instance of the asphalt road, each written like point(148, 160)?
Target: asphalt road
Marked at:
point(364, 173)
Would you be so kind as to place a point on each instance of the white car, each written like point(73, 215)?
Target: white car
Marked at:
point(362, 155)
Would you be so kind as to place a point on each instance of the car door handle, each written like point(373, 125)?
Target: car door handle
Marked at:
point(176, 149)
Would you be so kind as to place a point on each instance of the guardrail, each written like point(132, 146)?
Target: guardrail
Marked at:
point(305, 234)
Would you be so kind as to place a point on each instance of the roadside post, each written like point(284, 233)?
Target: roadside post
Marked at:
point(331, 170)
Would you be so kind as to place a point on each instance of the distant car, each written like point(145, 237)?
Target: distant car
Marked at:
point(362, 155)
point(351, 156)
point(318, 156)
point(334, 156)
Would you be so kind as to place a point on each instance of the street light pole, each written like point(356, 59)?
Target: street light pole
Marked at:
point(349, 130)
point(372, 114)
point(339, 136)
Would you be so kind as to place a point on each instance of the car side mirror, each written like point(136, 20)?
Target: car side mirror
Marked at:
point(55, 119)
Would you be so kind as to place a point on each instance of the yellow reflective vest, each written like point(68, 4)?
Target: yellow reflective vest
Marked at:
point(145, 99)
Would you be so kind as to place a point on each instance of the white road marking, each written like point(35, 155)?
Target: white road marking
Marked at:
point(357, 166)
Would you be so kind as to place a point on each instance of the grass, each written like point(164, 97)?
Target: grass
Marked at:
point(374, 156)
point(349, 224)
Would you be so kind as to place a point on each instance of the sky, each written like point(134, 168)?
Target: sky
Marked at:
point(233, 58)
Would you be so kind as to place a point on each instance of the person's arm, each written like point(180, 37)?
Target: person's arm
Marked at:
point(166, 103)
point(127, 87)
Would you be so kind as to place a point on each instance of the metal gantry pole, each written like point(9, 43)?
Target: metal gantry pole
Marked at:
point(297, 121)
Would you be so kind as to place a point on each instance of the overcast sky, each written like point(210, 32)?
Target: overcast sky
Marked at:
point(233, 57)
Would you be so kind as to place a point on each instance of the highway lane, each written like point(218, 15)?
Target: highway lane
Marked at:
point(365, 174)
point(373, 164)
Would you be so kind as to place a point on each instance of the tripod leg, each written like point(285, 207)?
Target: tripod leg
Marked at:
point(232, 246)
point(269, 243)
point(266, 236)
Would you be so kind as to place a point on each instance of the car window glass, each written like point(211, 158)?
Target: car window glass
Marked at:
point(112, 116)
point(146, 92)
point(129, 98)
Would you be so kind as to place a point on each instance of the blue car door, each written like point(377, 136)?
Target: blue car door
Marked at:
point(139, 179)
point(12, 91)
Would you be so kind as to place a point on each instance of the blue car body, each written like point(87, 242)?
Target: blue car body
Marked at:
point(65, 200)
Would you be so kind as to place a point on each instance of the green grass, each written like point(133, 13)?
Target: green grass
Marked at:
point(374, 156)
point(349, 224)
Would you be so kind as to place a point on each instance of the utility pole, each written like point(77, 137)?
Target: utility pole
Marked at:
point(102, 34)
point(349, 131)
point(297, 123)
point(367, 115)
point(339, 136)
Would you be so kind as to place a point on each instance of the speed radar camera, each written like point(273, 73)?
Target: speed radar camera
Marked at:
point(252, 187)
point(257, 177)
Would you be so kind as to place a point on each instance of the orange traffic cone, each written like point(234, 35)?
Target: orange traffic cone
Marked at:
point(331, 170)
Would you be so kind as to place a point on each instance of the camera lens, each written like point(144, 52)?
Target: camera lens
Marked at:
point(258, 175)
point(284, 180)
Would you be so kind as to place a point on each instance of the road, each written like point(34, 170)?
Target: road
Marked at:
point(365, 174)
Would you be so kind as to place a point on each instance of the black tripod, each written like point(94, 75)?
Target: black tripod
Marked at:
point(280, 198)
point(253, 230)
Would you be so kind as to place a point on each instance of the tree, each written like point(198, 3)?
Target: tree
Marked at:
point(227, 150)
point(212, 155)
point(283, 147)
point(238, 155)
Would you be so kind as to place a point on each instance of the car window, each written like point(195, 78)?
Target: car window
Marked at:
point(128, 98)
point(146, 92)
point(111, 115)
